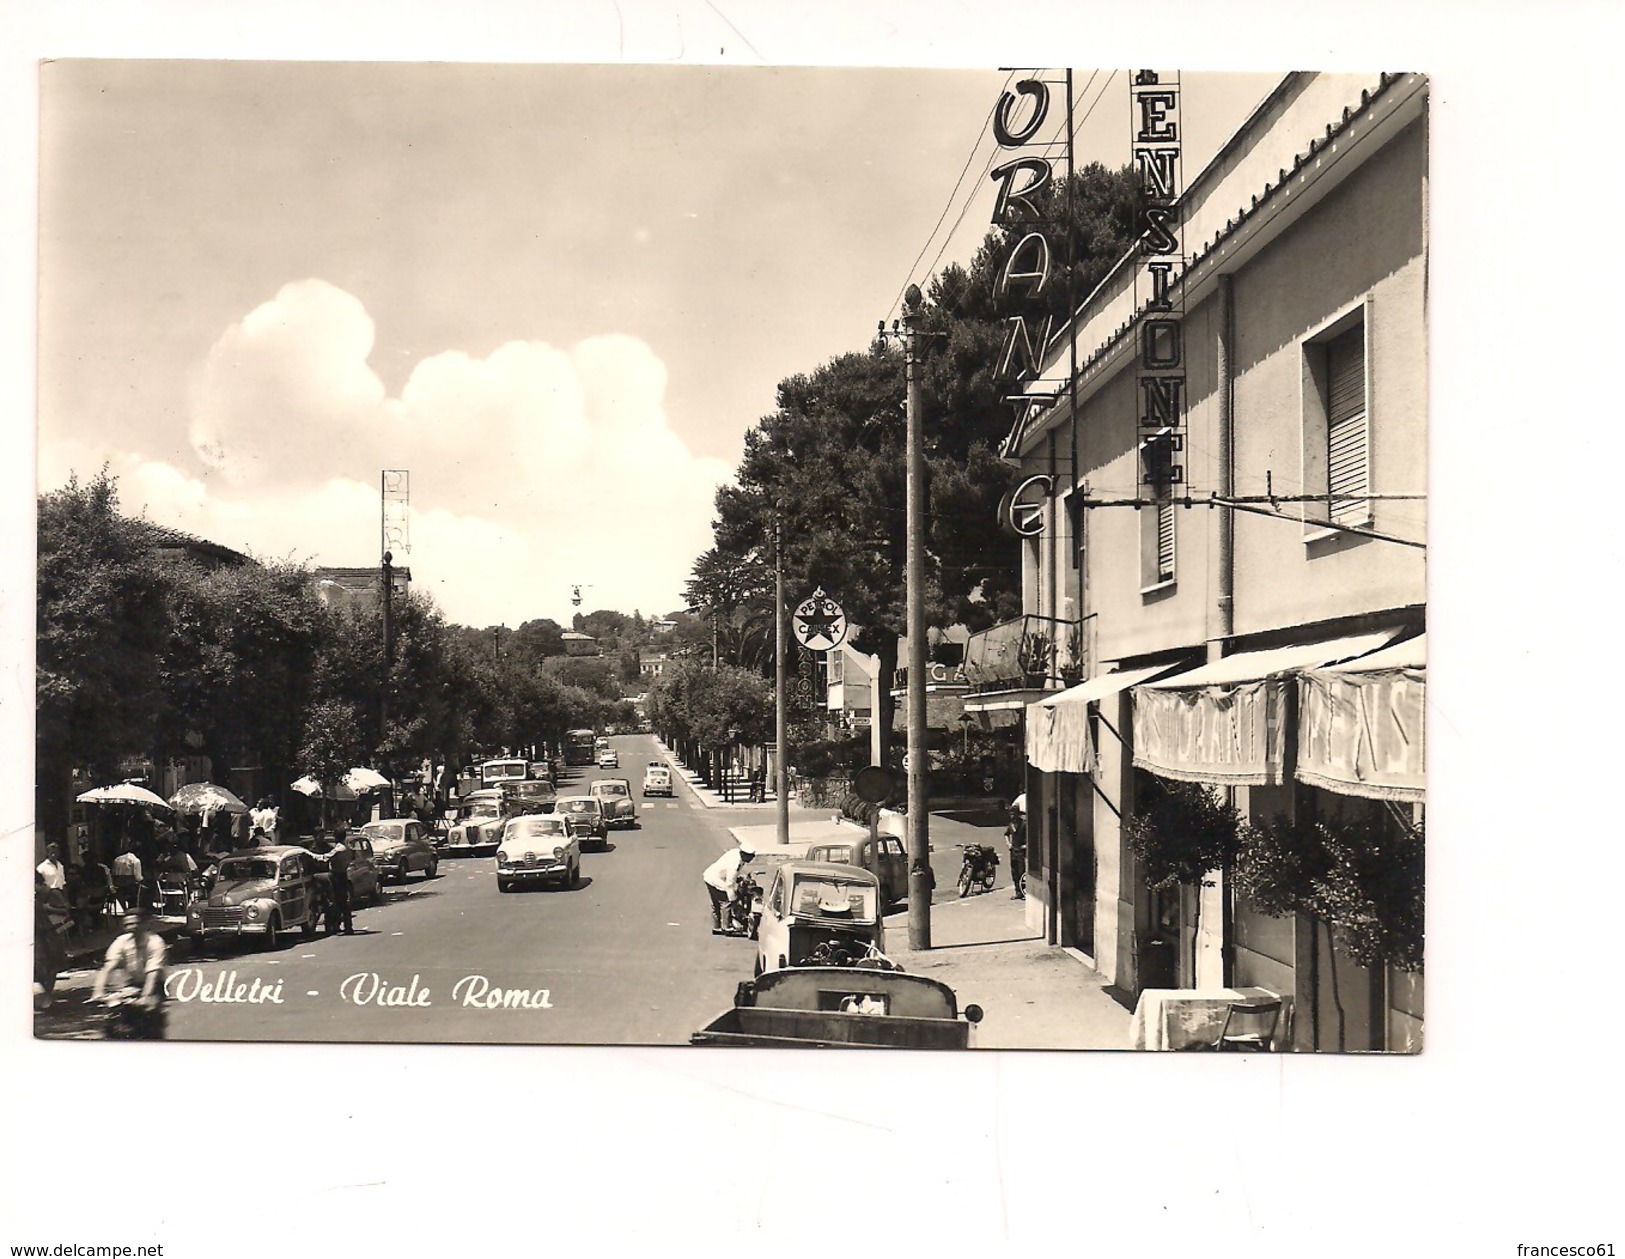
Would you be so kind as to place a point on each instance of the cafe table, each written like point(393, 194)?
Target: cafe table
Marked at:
point(1190, 1018)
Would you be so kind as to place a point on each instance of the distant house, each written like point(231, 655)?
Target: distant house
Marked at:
point(653, 664)
point(577, 644)
point(168, 543)
point(356, 587)
point(663, 626)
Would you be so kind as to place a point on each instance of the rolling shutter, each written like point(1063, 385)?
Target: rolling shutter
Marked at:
point(1347, 456)
point(1165, 541)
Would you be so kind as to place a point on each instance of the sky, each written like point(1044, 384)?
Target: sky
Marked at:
point(557, 295)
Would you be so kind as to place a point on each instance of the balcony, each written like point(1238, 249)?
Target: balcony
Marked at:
point(1028, 653)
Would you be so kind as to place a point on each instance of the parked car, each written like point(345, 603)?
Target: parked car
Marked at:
point(537, 791)
point(859, 851)
point(586, 816)
point(614, 796)
point(400, 846)
point(657, 780)
point(541, 771)
point(843, 1007)
point(257, 892)
point(609, 758)
point(815, 913)
point(538, 848)
point(478, 823)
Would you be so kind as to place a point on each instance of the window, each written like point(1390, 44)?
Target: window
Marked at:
point(1336, 424)
point(1157, 552)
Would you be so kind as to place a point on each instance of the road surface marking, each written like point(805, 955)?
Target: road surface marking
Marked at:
point(397, 933)
point(647, 805)
point(304, 955)
point(312, 993)
point(672, 804)
point(674, 924)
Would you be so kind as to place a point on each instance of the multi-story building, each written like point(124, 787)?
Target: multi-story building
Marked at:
point(1226, 615)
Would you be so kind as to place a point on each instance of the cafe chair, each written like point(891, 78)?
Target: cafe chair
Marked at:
point(1249, 1025)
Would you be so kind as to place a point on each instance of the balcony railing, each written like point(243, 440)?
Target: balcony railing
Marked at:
point(1028, 653)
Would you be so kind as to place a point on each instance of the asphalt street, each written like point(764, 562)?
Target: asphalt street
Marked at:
point(625, 958)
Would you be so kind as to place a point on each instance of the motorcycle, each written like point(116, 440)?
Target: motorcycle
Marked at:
point(743, 912)
point(980, 868)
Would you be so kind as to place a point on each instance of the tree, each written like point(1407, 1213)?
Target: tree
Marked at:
point(733, 595)
point(827, 466)
point(99, 623)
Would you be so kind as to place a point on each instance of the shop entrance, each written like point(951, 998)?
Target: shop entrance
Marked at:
point(1075, 848)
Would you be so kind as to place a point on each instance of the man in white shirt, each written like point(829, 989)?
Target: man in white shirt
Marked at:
point(127, 879)
point(720, 877)
point(134, 972)
point(52, 869)
point(265, 817)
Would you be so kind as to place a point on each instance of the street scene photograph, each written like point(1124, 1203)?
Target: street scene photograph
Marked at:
point(731, 557)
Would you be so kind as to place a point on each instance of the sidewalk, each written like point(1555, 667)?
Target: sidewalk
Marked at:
point(1033, 996)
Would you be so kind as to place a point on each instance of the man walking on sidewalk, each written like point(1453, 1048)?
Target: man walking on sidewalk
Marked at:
point(1016, 835)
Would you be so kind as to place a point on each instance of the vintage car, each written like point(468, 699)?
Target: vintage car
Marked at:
point(255, 893)
point(839, 1007)
point(614, 796)
point(539, 792)
point(609, 758)
point(541, 771)
point(657, 780)
point(859, 851)
point(815, 913)
point(478, 822)
point(401, 845)
point(586, 816)
point(538, 848)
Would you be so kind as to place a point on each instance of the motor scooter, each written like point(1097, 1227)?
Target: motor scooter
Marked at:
point(123, 1016)
point(744, 911)
point(979, 869)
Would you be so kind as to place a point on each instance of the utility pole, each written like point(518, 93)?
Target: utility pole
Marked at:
point(389, 643)
point(919, 831)
point(781, 731)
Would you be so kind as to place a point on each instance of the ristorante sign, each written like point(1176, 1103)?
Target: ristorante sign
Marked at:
point(1156, 145)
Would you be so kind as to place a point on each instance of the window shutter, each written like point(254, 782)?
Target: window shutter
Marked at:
point(1165, 541)
point(1347, 455)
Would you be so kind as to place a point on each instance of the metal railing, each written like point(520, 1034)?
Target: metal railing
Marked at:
point(1029, 652)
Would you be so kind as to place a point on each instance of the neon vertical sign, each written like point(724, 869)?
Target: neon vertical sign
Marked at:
point(1156, 147)
point(1017, 120)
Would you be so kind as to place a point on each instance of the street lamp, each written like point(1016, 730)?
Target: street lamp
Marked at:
point(966, 721)
point(919, 843)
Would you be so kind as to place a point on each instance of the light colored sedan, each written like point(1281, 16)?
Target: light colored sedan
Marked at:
point(538, 848)
point(400, 846)
point(614, 796)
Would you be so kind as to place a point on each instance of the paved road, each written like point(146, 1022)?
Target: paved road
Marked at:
point(628, 957)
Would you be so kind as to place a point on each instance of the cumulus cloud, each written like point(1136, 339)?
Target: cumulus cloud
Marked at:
point(532, 469)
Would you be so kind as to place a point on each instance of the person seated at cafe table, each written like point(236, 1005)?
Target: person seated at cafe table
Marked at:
point(90, 886)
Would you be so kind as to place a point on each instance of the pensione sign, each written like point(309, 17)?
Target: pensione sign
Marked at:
point(1156, 141)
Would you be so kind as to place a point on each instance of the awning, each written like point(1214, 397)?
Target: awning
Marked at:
point(1361, 724)
point(1058, 726)
point(999, 701)
point(1225, 722)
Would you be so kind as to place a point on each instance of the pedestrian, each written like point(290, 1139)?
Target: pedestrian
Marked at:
point(338, 863)
point(257, 838)
point(52, 870)
point(133, 976)
point(51, 918)
point(89, 892)
point(1015, 835)
point(265, 816)
point(127, 879)
point(758, 785)
point(721, 877)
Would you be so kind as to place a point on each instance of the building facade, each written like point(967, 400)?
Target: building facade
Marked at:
point(1221, 614)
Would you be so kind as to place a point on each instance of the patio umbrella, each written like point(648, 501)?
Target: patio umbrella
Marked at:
point(123, 793)
point(308, 786)
point(362, 780)
point(205, 798)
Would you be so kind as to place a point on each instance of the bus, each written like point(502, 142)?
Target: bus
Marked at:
point(579, 747)
point(506, 770)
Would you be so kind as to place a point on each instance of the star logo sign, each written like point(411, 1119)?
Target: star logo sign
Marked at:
point(819, 623)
